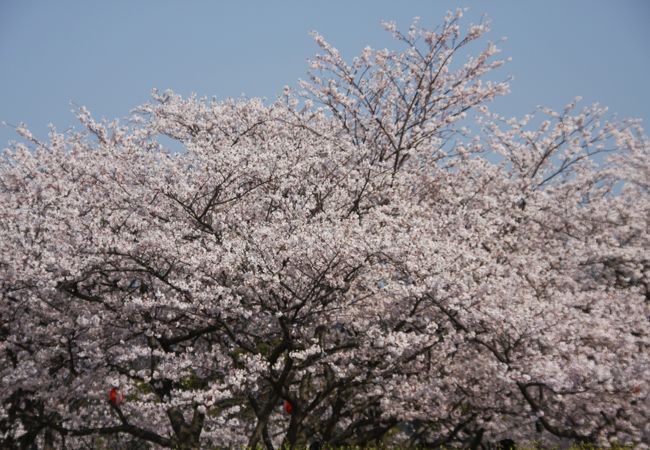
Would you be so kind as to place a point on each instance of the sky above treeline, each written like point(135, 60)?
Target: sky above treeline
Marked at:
point(109, 55)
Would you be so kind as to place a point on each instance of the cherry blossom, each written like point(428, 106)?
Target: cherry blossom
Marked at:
point(346, 265)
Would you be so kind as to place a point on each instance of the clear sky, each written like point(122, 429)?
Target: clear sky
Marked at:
point(108, 55)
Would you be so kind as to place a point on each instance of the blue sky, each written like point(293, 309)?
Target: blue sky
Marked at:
point(108, 55)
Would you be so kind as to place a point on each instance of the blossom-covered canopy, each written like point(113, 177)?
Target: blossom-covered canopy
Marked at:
point(357, 250)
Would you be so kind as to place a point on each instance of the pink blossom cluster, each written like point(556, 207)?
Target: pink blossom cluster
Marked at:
point(350, 264)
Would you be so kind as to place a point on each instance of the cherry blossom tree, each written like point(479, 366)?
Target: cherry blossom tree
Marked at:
point(347, 265)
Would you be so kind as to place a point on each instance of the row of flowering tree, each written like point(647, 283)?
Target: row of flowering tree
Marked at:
point(346, 265)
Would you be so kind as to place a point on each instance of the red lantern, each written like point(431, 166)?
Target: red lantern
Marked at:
point(288, 407)
point(115, 397)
